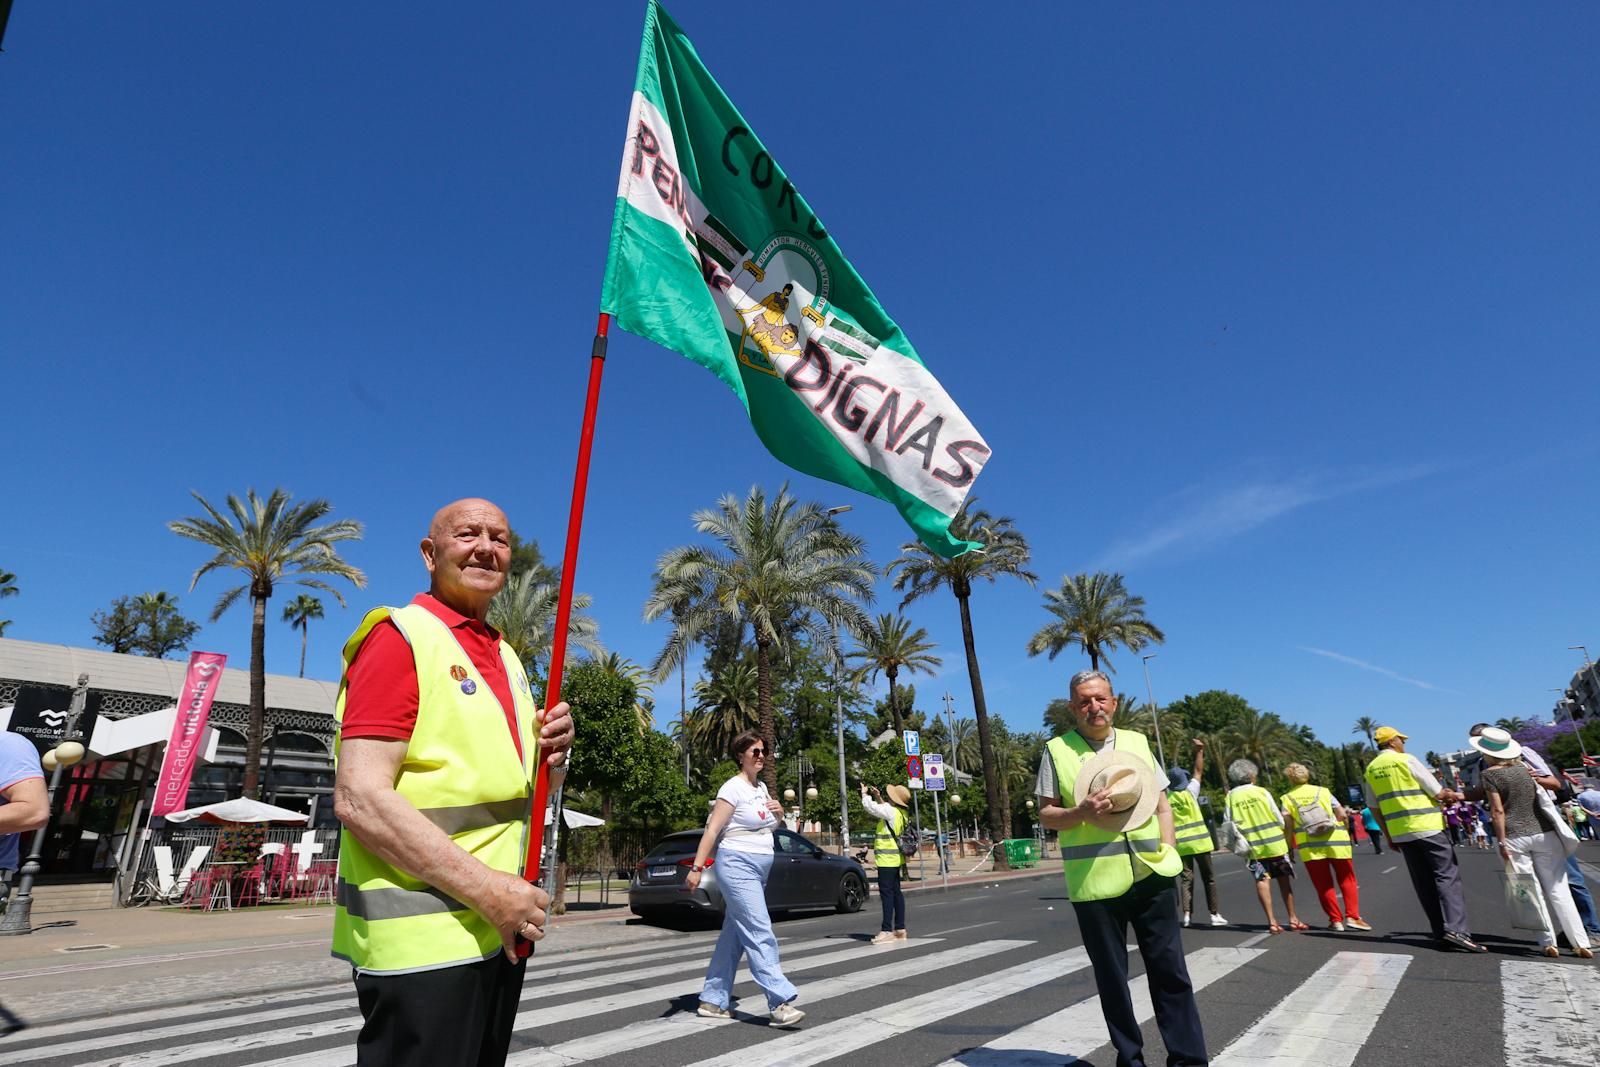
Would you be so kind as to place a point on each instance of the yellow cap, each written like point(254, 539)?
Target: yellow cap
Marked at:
point(1384, 734)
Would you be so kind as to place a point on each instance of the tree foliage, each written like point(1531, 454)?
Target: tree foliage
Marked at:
point(778, 565)
point(525, 614)
point(268, 541)
point(1094, 612)
point(149, 624)
point(889, 645)
point(918, 572)
point(8, 587)
point(298, 613)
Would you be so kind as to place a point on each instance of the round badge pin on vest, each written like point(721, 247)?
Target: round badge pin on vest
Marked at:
point(468, 686)
point(459, 673)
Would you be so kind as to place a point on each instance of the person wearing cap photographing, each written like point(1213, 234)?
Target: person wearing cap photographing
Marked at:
point(886, 857)
point(1406, 797)
point(1100, 788)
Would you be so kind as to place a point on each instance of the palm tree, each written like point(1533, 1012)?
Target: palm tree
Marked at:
point(918, 571)
point(1263, 739)
point(780, 565)
point(525, 614)
point(1365, 725)
point(891, 646)
point(1512, 725)
point(8, 587)
point(270, 541)
point(298, 613)
point(1095, 612)
point(1132, 716)
point(642, 682)
point(727, 704)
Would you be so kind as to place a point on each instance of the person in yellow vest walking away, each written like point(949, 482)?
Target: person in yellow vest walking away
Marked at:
point(439, 742)
point(1256, 814)
point(1406, 797)
point(888, 858)
point(1318, 833)
point(1100, 788)
point(1194, 839)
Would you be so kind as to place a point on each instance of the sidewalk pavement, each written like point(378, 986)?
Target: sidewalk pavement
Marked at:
point(89, 963)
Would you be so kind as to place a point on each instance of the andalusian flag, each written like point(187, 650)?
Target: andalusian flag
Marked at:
point(715, 254)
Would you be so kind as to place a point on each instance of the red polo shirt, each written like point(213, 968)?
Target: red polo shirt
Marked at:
point(382, 698)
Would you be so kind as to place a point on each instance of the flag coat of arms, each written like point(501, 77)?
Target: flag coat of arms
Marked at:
point(715, 254)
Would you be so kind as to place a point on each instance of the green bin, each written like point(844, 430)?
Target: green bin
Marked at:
point(1022, 852)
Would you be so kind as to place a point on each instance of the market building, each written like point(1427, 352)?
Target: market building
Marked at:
point(99, 808)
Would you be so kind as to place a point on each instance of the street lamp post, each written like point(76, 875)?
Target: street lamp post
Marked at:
point(1155, 712)
point(18, 917)
point(838, 696)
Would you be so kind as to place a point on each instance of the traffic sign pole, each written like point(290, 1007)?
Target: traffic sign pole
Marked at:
point(938, 837)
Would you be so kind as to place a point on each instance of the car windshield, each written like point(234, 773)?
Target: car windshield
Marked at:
point(677, 845)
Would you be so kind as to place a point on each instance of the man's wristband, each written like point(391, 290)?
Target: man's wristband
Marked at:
point(697, 868)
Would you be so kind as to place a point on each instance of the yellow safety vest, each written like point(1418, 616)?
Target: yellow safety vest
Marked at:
point(1333, 845)
point(1190, 827)
point(1099, 864)
point(461, 771)
point(886, 843)
point(1405, 806)
point(1251, 809)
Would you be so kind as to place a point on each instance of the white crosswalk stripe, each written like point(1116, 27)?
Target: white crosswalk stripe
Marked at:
point(1327, 1019)
point(583, 1014)
point(1549, 1013)
point(1078, 1030)
point(880, 1024)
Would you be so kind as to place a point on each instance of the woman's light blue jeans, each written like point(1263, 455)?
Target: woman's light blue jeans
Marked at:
point(746, 928)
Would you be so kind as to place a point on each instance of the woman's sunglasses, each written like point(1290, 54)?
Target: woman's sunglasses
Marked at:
point(759, 753)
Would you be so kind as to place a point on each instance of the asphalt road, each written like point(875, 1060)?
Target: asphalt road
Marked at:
point(985, 964)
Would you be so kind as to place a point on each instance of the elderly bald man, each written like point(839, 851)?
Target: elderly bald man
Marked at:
point(439, 739)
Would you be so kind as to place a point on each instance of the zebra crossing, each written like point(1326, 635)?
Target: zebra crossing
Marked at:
point(637, 1007)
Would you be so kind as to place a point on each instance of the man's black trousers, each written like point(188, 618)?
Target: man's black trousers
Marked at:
point(453, 1017)
point(1151, 908)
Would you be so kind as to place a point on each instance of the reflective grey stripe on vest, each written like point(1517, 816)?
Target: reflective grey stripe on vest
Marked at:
point(1402, 793)
point(466, 817)
point(1111, 848)
point(1198, 832)
point(374, 904)
point(1262, 826)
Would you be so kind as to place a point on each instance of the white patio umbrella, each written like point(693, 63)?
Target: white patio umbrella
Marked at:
point(575, 819)
point(240, 809)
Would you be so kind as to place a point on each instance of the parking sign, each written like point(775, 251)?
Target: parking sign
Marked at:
point(933, 770)
point(914, 771)
point(913, 742)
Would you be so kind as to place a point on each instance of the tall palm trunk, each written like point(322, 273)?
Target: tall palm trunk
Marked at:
point(894, 703)
point(769, 736)
point(980, 712)
point(258, 693)
point(305, 633)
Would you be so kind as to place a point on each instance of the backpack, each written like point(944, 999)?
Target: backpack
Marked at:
point(1313, 818)
point(910, 843)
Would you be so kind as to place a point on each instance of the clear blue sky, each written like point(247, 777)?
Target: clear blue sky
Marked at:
point(1291, 315)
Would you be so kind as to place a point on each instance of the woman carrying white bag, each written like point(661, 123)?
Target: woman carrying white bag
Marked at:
point(1531, 842)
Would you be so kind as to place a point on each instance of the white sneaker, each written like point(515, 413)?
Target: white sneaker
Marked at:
point(1186, 918)
point(884, 937)
point(787, 1015)
point(1217, 920)
point(1337, 927)
point(711, 1011)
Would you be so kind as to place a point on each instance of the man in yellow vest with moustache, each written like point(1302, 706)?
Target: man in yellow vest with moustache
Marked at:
point(1100, 787)
point(439, 739)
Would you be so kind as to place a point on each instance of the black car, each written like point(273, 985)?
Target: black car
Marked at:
point(803, 877)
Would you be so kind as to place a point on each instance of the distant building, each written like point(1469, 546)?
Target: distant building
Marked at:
point(126, 723)
point(1582, 685)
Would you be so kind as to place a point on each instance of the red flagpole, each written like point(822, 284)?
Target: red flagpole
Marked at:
point(558, 646)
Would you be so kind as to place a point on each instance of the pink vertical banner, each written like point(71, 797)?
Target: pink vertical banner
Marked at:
point(194, 708)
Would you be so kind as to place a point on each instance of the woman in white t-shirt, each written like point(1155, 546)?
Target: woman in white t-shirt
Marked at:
point(740, 833)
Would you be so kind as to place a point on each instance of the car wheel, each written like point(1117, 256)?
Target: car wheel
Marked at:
point(852, 893)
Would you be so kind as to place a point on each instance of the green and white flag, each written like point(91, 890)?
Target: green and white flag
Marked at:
point(716, 255)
